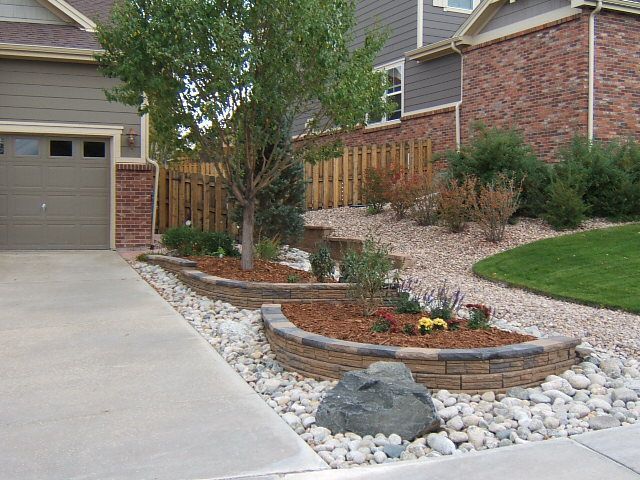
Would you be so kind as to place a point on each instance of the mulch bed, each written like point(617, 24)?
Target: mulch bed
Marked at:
point(229, 267)
point(346, 322)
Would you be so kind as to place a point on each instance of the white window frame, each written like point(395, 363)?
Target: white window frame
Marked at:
point(388, 66)
point(445, 5)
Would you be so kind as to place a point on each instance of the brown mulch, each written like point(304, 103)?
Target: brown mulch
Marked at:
point(229, 267)
point(346, 322)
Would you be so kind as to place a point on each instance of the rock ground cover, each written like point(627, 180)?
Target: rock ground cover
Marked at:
point(440, 255)
point(597, 394)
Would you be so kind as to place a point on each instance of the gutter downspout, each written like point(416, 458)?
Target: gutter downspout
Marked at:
point(156, 167)
point(592, 65)
point(458, 103)
point(154, 208)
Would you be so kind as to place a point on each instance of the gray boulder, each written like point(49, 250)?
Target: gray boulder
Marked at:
point(381, 399)
point(603, 422)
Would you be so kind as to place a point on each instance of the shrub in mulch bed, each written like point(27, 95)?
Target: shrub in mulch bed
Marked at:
point(263, 271)
point(347, 322)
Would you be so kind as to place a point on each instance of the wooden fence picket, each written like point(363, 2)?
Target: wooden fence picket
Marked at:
point(194, 192)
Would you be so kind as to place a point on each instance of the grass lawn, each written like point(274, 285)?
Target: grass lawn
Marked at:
point(600, 267)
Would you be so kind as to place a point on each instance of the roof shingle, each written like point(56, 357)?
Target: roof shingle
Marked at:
point(68, 36)
point(94, 9)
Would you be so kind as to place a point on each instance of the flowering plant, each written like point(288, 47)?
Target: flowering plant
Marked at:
point(443, 304)
point(427, 325)
point(479, 316)
point(385, 323)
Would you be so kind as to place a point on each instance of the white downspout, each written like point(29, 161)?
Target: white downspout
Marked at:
point(458, 103)
point(420, 25)
point(154, 208)
point(156, 167)
point(592, 67)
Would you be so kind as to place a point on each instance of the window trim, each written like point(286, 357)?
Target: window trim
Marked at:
point(104, 143)
point(15, 147)
point(384, 67)
point(465, 11)
point(49, 140)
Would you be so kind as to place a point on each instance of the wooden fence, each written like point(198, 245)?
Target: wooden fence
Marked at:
point(192, 191)
point(339, 182)
point(200, 199)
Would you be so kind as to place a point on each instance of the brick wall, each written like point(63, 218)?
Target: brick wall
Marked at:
point(617, 87)
point(536, 81)
point(438, 125)
point(134, 193)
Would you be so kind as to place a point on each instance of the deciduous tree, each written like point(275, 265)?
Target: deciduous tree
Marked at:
point(227, 79)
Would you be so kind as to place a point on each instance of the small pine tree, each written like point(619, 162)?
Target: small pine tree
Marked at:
point(279, 207)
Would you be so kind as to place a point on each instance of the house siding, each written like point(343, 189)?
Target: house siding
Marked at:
point(520, 82)
point(432, 83)
point(617, 82)
point(399, 17)
point(35, 91)
point(438, 24)
point(27, 11)
point(511, 13)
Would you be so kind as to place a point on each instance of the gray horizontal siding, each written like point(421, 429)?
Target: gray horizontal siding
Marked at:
point(33, 91)
point(520, 10)
point(27, 11)
point(432, 83)
point(399, 17)
point(438, 24)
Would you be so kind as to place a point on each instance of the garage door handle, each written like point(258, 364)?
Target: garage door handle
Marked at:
point(44, 207)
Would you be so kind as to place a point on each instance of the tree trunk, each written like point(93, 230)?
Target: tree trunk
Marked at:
point(248, 222)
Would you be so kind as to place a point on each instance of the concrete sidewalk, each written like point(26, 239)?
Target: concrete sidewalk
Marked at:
point(606, 455)
point(101, 379)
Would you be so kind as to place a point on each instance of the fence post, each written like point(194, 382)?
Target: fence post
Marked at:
point(357, 155)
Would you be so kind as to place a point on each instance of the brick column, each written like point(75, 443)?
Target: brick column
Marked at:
point(134, 194)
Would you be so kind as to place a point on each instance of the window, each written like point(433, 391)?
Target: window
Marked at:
point(1, 146)
point(94, 150)
point(393, 94)
point(27, 147)
point(461, 4)
point(60, 148)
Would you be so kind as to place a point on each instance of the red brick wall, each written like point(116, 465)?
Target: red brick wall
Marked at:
point(439, 126)
point(536, 82)
point(134, 193)
point(617, 87)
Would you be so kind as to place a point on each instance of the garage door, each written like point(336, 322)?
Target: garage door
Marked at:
point(54, 193)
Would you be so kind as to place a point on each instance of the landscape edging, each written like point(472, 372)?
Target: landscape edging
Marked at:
point(246, 294)
point(458, 370)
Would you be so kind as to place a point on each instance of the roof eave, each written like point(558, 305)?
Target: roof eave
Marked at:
point(74, 14)
point(627, 6)
point(44, 52)
point(434, 50)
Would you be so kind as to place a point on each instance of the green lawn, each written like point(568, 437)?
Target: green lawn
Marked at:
point(600, 267)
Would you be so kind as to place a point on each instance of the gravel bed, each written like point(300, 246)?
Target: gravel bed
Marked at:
point(441, 255)
point(597, 394)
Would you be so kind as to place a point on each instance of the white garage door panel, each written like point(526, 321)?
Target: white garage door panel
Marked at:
point(54, 202)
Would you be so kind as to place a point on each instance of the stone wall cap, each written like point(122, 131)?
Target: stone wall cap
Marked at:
point(174, 260)
point(275, 321)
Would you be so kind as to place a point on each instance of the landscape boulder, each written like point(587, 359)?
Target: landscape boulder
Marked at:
point(381, 399)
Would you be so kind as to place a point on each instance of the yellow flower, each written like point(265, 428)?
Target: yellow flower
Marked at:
point(440, 324)
point(425, 322)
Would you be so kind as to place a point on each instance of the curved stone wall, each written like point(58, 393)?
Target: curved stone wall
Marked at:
point(466, 370)
point(250, 294)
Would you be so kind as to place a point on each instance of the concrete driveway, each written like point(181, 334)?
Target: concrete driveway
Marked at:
point(101, 379)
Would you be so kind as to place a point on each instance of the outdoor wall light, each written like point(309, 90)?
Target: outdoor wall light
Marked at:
point(131, 137)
